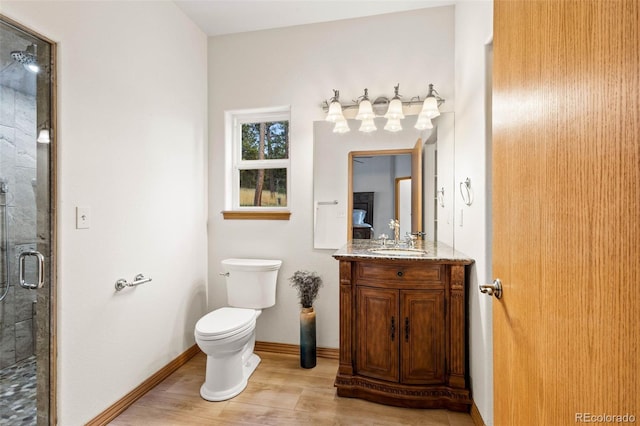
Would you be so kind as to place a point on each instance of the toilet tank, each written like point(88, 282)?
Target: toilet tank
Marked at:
point(251, 283)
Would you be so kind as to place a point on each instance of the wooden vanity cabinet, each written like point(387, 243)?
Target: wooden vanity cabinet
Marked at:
point(400, 335)
point(403, 333)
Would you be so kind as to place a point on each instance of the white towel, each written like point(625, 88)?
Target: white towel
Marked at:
point(329, 227)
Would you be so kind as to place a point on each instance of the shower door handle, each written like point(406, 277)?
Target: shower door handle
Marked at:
point(21, 260)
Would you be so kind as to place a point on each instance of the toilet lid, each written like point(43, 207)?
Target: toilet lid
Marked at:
point(225, 322)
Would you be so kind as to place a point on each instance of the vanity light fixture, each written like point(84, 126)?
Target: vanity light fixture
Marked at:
point(429, 109)
point(395, 106)
point(341, 126)
point(44, 136)
point(393, 125)
point(365, 113)
point(368, 126)
point(392, 109)
point(423, 123)
point(365, 109)
point(335, 114)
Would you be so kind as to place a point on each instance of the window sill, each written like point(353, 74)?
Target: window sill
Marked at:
point(256, 215)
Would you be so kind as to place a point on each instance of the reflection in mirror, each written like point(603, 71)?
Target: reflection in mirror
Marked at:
point(402, 205)
point(363, 213)
point(332, 162)
point(374, 174)
point(438, 169)
point(381, 175)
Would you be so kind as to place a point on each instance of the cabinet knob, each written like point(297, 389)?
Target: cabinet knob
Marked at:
point(400, 273)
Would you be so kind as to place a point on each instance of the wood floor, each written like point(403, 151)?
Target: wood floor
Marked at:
point(279, 393)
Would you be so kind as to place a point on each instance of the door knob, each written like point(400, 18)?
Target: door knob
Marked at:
point(494, 289)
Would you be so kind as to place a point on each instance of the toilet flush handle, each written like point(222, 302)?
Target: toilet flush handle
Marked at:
point(224, 274)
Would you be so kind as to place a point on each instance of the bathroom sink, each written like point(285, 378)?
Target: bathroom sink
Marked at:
point(398, 251)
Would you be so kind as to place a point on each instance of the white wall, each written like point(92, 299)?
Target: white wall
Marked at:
point(132, 146)
point(299, 66)
point(474, 20)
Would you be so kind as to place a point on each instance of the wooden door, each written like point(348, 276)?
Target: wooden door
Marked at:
point(377, 332)
point(566, 210)
point(416, 187)
point(422, 337)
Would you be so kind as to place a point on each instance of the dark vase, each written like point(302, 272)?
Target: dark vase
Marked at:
point(307, 338)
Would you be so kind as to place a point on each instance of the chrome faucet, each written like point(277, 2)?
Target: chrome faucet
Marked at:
point(395, 225)
point(410, 239)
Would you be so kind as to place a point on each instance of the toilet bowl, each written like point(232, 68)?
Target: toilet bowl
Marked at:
point(227, 335)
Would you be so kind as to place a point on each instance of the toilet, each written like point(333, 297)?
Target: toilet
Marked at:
point(227, 335)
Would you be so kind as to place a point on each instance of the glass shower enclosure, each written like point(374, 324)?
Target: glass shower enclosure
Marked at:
point(26, 284)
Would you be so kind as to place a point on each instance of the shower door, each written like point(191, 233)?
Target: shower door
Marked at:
point(26, 284)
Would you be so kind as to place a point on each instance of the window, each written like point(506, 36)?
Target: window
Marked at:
point(259, 177)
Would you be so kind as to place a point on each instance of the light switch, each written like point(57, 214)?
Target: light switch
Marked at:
point(83, 217)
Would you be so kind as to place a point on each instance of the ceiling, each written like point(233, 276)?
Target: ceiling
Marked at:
point(219, 17)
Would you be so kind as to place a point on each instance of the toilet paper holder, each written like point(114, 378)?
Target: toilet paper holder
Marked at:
point(137, 280)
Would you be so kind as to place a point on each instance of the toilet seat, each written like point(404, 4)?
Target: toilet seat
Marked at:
point(225, 322)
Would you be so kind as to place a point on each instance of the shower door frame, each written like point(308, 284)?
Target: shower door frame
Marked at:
point(53, 243)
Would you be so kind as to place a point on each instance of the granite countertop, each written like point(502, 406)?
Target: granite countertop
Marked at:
point(435, 252)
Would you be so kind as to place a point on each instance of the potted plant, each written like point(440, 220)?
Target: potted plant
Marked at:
point(307, 284)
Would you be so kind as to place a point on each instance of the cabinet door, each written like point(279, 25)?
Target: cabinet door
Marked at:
point(423, 336)
point(377, 333)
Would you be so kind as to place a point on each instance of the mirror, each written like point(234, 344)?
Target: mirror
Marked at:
point(333, 186)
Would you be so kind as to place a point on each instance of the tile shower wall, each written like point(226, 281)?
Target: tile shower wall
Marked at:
point(18, 170)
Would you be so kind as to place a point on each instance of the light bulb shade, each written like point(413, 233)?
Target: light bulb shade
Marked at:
point(365, 110)
point(430, 107)
point(395, 110)
point(341, 126)
point(368, 125)
point(44, 136)
point(393, 125)
point(423, 123)
point(335, 112)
